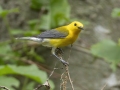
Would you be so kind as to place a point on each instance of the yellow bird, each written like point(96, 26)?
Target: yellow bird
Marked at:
point(58, 37)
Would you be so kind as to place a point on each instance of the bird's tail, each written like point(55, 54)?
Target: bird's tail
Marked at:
point(31, 38)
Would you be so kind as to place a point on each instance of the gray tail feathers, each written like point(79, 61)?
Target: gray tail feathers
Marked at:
point(31, 38)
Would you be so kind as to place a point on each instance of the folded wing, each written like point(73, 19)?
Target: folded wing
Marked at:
point(54, 34)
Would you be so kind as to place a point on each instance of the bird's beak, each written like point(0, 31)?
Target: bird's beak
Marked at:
point(81, 28)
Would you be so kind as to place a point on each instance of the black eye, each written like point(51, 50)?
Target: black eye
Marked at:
point(75, 24)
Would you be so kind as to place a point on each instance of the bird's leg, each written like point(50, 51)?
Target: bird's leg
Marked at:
point(59, 51)
point(60, 58)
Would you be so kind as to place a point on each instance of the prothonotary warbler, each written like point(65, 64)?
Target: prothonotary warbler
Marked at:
point(58, 37)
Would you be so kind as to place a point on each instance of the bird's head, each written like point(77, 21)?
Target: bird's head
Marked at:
point(76, 25)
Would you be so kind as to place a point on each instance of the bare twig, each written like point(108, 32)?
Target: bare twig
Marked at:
point(67, 75)
point(46, 84)
point(104, 87)
point(67, 71)
point(52, 71)
point(62, 84)
point(64, 79)
point(3, 87)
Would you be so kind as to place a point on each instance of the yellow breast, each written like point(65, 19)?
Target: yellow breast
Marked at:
point(70, 39)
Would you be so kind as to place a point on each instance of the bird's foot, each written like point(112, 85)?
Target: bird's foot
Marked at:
point(64, 62)
point(59, 51)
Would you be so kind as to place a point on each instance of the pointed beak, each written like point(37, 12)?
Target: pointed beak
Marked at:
point(81, 28)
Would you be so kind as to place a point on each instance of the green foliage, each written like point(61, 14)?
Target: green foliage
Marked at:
point(4, 48)
point(22, 32)
point(28, 71)
point(16, 31)
point(59, 15)
point(58, 12)
point(116, 12)
point(30, 86)
point(38, 4)
point(108, 50)
point(4, 81)
point(4, 13)
point(6, 52)
point(31, 72)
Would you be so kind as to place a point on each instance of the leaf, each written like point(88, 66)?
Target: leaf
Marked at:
point(32, 53)
point(116, 12)
point(6, 81)
point(119, 41)
point(31, 33)
point(56, 16)
point(60, 14)
point(37, 4)
point(25, 33)
point(30, 86)
point(6, 52)
point(16, 31)
point(29, 71)
point(108, 50)
point(32, 23)
point(45, 22)
point(4, 13)
point(51, 85)
point(5, 48)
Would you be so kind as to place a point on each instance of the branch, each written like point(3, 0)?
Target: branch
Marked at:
point(46, 84)
point(104, 87)
point(68, 75)
point(3, 87)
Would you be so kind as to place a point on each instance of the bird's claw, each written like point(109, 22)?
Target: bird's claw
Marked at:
point(59, 51)
point(65, 63)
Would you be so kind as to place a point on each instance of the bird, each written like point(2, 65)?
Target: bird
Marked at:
point(58, 37)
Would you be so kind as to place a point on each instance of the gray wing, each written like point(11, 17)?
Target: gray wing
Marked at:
point(53, 34)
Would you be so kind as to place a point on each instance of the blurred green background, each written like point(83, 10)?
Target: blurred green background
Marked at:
point(95, 57)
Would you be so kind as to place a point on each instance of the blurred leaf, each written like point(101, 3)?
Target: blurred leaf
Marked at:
point(116, 12)
point(16, 31)
point(6, 52)
point(31, 33)
point(14, 10)
point(29, 71)
point(108, 50)
point(59, 15)
point(51, 85)
point(5, 48)
point(37, 4)
point(45, 22)
point(33, 54)
point(119, 41)
point(25, 33)
point(32, 23)
point(30, 86)
point(6, 81)
point(4, 13)
point(56, 16)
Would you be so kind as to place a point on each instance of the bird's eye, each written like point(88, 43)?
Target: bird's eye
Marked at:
point(75, 24)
